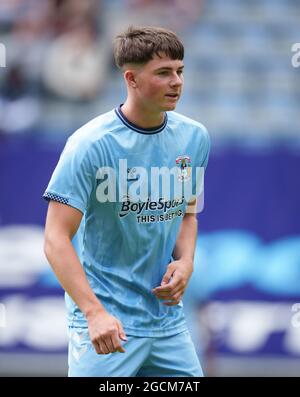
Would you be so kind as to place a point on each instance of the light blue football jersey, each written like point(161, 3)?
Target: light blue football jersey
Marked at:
point(123, 244)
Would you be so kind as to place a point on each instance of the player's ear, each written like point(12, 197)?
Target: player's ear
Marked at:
point(130, 78)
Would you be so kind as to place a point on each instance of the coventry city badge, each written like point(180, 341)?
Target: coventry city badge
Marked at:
point(184, 168)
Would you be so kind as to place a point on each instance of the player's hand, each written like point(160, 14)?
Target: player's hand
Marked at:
point(174, 282)
point(106, 333)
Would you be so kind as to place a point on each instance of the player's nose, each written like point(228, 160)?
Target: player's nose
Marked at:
point(176, 81)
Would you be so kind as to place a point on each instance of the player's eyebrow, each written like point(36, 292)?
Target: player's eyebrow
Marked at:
point(169, 68)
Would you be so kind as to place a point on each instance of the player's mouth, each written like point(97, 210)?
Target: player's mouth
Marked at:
point(174, 96)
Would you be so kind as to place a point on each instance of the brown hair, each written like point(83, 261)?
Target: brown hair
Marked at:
point(140, 44)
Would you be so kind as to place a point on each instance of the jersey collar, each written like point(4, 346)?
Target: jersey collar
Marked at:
point(136, 128)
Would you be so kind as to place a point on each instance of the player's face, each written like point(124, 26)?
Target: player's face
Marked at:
point(160, 83)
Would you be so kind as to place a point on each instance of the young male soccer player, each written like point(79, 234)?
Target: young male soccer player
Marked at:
point(125, 263)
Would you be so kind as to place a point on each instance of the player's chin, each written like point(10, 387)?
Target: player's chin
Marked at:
point(169, 106)
point(172, 107)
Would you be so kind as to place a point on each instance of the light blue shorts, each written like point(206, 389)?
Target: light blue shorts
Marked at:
point(168, 356)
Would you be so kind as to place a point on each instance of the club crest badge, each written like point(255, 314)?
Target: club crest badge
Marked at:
point(184, 168)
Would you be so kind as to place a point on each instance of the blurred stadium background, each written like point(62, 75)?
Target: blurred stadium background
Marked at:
point(239, 81)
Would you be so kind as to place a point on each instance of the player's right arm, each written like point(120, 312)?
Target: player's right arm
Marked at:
point(61, 225)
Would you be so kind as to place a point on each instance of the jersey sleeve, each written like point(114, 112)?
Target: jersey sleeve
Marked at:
point(72, 181)
point(196, 202)
point(205, 148)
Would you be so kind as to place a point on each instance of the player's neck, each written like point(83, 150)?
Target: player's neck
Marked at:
point(142, 117)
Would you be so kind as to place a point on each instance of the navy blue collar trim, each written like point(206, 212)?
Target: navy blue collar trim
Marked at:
point(134, 127)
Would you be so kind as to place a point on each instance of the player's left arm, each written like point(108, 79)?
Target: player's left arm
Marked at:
point(180, 270)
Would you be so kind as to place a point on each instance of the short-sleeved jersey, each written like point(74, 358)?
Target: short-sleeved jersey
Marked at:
point(125, 244)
